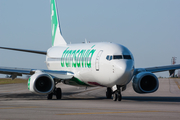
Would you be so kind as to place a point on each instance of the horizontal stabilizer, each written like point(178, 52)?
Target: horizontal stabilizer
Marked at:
point(25, 50)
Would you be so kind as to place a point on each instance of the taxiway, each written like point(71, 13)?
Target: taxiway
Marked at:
point(16, 102)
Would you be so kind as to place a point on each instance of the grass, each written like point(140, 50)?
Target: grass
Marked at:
point(10, 81)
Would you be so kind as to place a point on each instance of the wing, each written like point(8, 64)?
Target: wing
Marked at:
point(158, 69)
point(162, 68)
point(14, 72)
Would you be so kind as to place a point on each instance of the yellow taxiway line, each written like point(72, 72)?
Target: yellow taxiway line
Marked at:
point(177, 83)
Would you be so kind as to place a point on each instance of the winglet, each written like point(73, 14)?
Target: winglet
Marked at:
point(57, 39)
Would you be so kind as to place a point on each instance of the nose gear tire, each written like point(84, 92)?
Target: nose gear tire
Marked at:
point(114, 97)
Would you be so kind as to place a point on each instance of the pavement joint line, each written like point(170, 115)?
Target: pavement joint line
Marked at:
point(111, 112)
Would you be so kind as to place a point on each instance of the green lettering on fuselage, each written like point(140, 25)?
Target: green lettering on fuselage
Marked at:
point(90, 57)
point(77, 58)
point(63, 57)
point(74, 60)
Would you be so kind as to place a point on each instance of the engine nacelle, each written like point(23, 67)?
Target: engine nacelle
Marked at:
point(145, 82)
point(41, 83)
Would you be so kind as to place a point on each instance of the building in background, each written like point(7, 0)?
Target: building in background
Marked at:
point(172, 72)
point(178, 74)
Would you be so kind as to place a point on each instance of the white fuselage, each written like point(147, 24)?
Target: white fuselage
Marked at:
point(95, 64)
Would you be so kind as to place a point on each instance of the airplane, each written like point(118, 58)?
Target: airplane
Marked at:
point(103, 64)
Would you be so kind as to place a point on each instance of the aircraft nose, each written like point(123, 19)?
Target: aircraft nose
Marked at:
point(125, 72)
point(125, 67)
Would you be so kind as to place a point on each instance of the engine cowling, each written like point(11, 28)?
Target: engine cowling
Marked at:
point(41, 83)
point(145, 82)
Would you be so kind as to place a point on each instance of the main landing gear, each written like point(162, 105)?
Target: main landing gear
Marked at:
point(115, 92)
point(109, 93)
point(57, 92)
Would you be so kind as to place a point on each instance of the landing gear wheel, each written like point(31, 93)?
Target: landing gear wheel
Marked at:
point(49, 97)
point(58, 93)
point(108, 93)
point(115, 96)
point(117, 93)
point(119, 97)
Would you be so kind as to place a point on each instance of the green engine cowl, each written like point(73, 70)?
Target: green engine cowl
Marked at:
point(41, 83)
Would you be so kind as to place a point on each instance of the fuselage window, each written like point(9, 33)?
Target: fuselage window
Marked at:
point(127, 57)
point(117, 57)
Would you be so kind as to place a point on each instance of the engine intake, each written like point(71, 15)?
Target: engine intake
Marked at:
point(145, 82)
point(41, 83)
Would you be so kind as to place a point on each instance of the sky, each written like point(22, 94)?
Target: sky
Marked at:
point(150, 29)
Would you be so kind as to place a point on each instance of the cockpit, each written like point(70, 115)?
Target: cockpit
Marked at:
point(116, 57)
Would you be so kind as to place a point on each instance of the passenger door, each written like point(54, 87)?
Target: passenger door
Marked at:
point(98, 60)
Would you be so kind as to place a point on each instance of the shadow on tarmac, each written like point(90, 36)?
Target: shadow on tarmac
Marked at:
point(31, 96)
point(152, 98)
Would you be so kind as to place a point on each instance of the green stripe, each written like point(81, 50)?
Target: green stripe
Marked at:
point(76, 82)
point(29, 83)
point(54, 20)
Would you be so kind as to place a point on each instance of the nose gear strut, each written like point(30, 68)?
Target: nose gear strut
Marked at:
point(116, 93)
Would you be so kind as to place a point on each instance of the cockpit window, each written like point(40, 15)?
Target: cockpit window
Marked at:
point(127, 57)
point(109, 57)
point(117, 56)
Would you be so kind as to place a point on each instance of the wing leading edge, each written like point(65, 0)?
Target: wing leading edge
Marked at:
point(158, 69)
point(14, 72)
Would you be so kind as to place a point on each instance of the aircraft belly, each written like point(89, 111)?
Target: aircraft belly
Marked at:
point(75, 82)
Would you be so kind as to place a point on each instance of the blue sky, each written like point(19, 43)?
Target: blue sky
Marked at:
point(150, 29)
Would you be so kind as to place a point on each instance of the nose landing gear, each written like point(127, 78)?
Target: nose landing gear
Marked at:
point(117, 96)
point(115, 92)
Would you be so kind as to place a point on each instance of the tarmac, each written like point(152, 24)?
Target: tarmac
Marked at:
point(16, 102)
